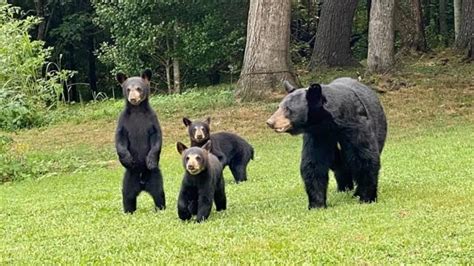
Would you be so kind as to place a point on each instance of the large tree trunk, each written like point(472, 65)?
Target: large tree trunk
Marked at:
point(332, 46)
point(457, 17)
point(267, 59)
point(419, 42)
point(381, 36)
point(443, 26)
point(465, 40)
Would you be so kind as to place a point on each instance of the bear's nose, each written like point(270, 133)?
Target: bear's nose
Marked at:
point(270, 123)
point(191, 167)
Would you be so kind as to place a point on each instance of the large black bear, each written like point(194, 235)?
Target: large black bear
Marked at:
point(138, 141)
point(344, 129)
point(202, 183)
point(229, 148)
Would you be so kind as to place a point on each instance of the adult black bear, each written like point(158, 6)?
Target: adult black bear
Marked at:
point(138, 143)
point(231, 149)
point(344, 129)
point(202, 183)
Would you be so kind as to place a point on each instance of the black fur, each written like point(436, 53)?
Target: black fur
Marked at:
point(199, 191)
point(230, 149)
point(138, 142)
point(344, 129)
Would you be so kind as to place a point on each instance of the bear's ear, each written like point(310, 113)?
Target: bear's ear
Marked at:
point(314, 95)
point(207, 146)
point(208, 120)
point(180, 147)
point(120, 77)
point(146, 75)
point(288, 87)
point(187, 122)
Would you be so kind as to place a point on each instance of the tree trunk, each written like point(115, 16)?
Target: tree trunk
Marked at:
point(176, 76)
point(465, 40)
point(381, 36)
point(168, 75)
point(419, 41)
point(457, 17)
point(443, 26)
point(332, 46)
point(92, 64)
point(39, 6)
point(267, 58)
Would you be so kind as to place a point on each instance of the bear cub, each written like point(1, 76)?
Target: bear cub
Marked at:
point(202, 183)
point(138, 141)
point(231, 149)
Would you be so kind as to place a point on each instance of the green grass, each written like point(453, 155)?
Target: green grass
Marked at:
point(64, 203)
point(424, 213)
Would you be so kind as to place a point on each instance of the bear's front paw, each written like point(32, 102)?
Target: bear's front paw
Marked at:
point(151, 163)
point(127, 161)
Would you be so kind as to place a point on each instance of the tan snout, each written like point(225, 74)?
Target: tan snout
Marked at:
point(134, 96)
point(199, 134)
point(278, 121)
point(193, 166)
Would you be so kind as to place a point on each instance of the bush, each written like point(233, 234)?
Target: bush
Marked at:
point(24, 92)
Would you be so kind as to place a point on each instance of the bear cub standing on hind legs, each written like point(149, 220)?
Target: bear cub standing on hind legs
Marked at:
point(344, 129)
point(138, 142)
point(231, 149)
point(202, 183)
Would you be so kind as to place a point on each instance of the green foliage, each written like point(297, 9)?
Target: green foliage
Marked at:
point(23, 90)
point(204, 35)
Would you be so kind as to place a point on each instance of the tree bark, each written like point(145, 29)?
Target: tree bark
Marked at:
point(332, 46)
point(176, 76)
point(39, 6)
point(381, 36)
point(443, 26)
point(465, 40)
point(167, 65)
point(267, 58)
point(419, 43)
point(92, 64)
point(457, 17)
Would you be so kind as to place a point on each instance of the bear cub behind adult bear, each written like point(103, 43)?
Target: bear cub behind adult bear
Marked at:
point(229, 148)
point(138, 142)
point(202, 183)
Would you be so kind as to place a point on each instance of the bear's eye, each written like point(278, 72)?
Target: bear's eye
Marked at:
point(198, 158)
point(139, 89)
point(128, 89)
point(187, 158)
point(287, 109)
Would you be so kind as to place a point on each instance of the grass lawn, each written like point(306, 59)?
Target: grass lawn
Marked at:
point(425, 212)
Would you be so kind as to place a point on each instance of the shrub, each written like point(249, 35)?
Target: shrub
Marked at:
point(24, 92)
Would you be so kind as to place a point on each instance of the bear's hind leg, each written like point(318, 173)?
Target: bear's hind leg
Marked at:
point(342, 173)
point(220, 197)
point(154, 186)
point(367, 181)
point(239, 171)
point(130, 190)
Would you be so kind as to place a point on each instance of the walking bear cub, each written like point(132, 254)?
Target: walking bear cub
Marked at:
point(138, 142)
point(202, 183)
point(344, 129)
point(231, 149)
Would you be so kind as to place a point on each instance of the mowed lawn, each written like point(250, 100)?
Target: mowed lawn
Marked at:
point(425, 211)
